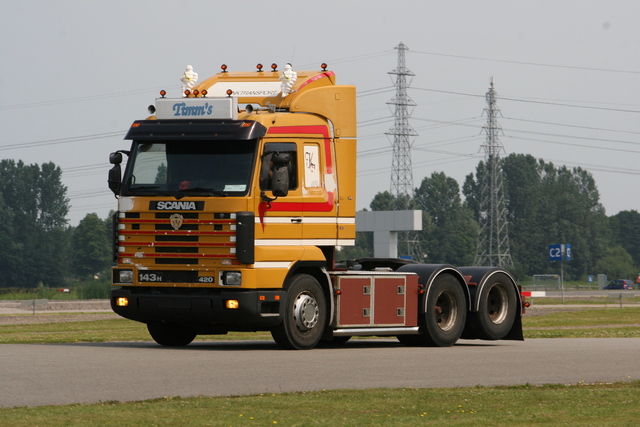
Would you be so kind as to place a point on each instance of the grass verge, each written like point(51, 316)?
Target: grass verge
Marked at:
point(583, 323)
point(577, 405)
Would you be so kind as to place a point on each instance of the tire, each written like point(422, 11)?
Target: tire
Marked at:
point(497, 308)
point(304, 316)
point(445, 313)
point(170, 334)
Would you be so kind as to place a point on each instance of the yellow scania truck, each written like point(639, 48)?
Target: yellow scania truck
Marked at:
point(234, 198)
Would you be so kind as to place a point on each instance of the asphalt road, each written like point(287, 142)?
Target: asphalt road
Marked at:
point(33, 374)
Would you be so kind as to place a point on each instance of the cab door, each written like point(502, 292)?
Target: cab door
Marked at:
point(280, 217)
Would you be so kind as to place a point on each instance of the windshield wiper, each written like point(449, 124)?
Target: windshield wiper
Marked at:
point(150, 190)
point(201, 191)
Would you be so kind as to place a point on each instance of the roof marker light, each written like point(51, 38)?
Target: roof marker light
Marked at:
point(196, 92)
point(224, 68)
point(324, 66)
point(204, 92)
point(163, 93)
point(229, 92)
point(187, 92)
point(274, 67)
point(259, 67)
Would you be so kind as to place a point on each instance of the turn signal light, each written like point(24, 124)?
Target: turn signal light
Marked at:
point(232, 304)
point(122, 302)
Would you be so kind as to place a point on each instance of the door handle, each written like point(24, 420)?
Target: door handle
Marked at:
point(296, 220)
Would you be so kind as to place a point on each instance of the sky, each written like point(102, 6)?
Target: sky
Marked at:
point(75, 74)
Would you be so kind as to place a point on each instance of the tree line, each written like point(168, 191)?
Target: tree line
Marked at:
point(37, 246)
point(546, 204)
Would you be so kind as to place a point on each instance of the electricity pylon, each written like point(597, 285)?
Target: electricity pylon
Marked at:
point(493, 235)
point(401, 170)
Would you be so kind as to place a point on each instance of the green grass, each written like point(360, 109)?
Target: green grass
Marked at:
point(578, 405)
point(587, 323)
point(94, 331)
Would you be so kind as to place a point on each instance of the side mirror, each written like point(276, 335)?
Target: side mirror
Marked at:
point(115, 173)
point(280, 177)
point(115, 158)
point(115, 179)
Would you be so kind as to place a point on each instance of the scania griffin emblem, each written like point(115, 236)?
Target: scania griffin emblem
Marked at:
point(176, 221)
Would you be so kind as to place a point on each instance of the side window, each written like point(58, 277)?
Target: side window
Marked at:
point(284, 148)
point(312, 166)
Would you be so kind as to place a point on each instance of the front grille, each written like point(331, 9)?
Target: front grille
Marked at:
point(202, 238)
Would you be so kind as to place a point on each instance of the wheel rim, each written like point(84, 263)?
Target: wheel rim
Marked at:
point(305, 312)
point(497, 304)
point(446, 310)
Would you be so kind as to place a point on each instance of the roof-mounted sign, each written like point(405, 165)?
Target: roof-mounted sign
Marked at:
point(197, 108)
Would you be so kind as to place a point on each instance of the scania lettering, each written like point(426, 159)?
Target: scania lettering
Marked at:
point(231, 221)
point(181, 206)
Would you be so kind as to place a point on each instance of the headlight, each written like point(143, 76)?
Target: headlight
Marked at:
point(231, 278)
point(124, 276)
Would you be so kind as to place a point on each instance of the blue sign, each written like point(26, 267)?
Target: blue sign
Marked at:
point(555, 252)
point(559, 252)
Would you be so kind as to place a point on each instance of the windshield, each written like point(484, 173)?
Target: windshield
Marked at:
point(182, 168)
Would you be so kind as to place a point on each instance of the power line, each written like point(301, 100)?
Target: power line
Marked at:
point(571, 126)
point(537, 64)
point(533, 101)
point(45, 142)
point(77, 99)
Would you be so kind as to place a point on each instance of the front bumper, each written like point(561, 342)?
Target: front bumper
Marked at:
point(204, 311)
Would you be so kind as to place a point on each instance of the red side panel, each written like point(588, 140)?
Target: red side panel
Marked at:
point(377, 300)
point(388, 306)
point(354, 302)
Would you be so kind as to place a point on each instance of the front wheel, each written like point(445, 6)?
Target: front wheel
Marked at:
point(171, 335)
point(445, 313)
point(305, 314)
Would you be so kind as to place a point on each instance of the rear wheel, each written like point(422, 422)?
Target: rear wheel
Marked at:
point(170, 334)
point(305, 315)
point(446, 313)
point(497, 307)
